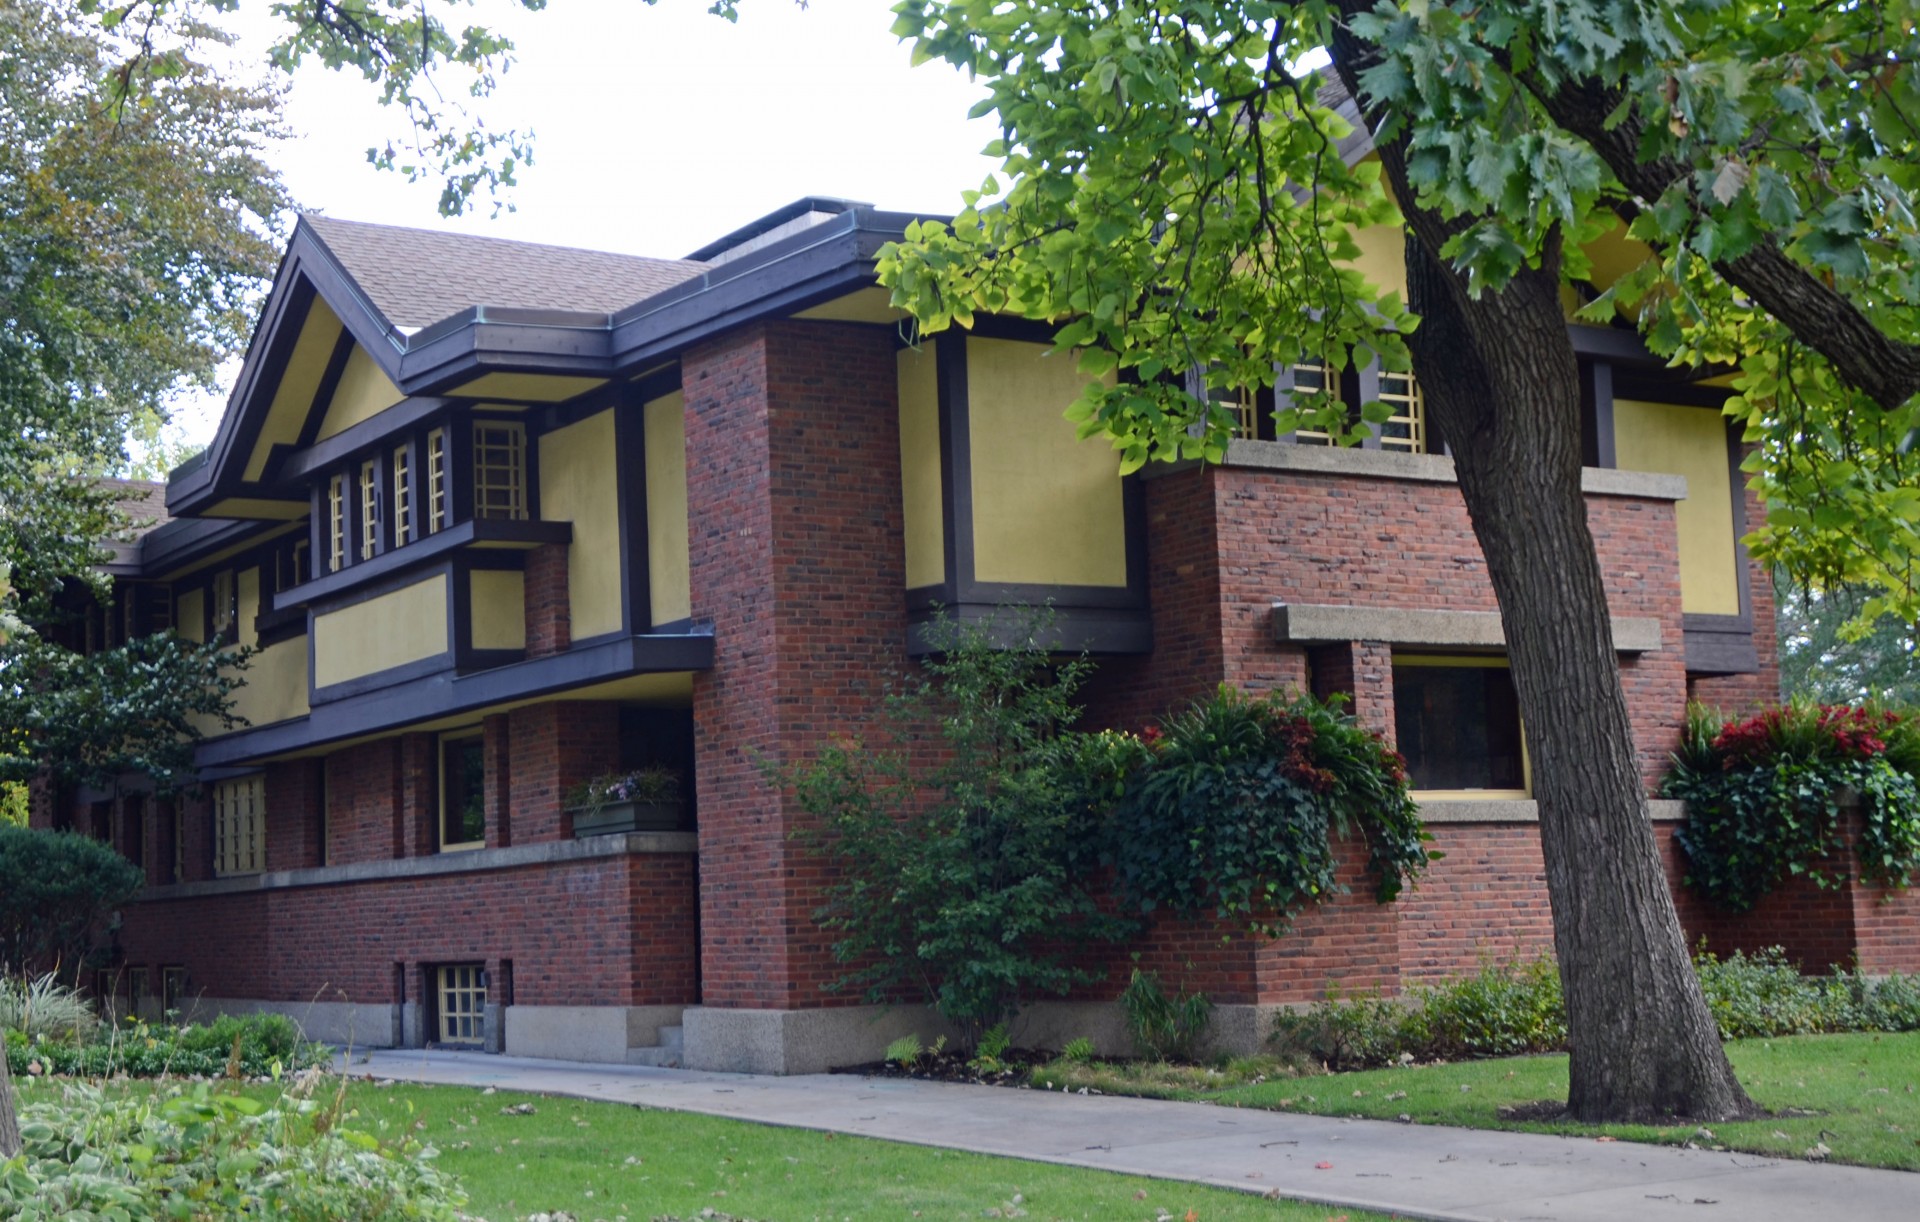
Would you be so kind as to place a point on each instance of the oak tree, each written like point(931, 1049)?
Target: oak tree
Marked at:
point(1181, 193)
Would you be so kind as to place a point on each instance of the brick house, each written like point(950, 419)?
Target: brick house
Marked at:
point(501, 517)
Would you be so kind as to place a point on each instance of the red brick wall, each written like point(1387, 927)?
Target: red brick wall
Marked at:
point(550, 749)
point(295, 822)
point(609, 931)
point(549, 614)
point(793, 487)
point(1486, 900)
point(364, 803)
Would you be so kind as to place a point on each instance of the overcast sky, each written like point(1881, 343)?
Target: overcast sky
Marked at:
point(660, 128)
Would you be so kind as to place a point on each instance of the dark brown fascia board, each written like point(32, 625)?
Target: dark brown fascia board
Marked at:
point(439, 695)
point(318, 457)
point(308, 269)
point(183, 541)
point(423, 552)
point(816, 264)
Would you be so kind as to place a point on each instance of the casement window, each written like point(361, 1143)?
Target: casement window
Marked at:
point(1406, 430)
point(1457, 722)
point(290, 566)
point(161, 608)
point(436, 481)
point(463, 782)
point(173, 989)
point(402, 497)
point(336, 523)
point(133, 829)
point(136, 989)
point(369, 509)
point(499, 469)
point(460, 1002)
point(240, 826)
point(222, 607)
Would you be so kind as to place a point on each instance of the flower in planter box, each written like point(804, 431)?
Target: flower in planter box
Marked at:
point(642, 786)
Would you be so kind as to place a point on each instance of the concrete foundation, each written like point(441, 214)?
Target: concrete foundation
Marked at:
point(584, 1033)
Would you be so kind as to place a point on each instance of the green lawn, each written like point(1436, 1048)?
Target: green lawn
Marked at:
point(1859, 1095)
point(610, 1161)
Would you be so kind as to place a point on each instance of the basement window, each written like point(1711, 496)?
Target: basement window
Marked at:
point(460, 1004)
point(1457, 722)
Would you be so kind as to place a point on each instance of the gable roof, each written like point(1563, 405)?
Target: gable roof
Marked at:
point(418, 277)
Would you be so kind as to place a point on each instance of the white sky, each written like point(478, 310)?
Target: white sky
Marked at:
point(658, 129)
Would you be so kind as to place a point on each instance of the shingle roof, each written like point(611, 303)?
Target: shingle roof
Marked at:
point(417, 277)
point(143, 501)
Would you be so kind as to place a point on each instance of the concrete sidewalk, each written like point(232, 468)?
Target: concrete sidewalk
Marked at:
point(1417, 1171)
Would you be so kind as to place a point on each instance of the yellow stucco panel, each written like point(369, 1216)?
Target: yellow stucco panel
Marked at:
point(667, 557)
point(579, 483)
point(190, 616)
point(539, 387)
point(498, 598)
point(386, 631)
point(363, 393)
point(1689, 441)
point(1046, 506)
point(299, 383)
point(920, 485)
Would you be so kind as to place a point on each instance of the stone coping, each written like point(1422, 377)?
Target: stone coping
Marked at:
point(1522, 810)
point(1308, 622)
point(472, 861)
point(1425, 468)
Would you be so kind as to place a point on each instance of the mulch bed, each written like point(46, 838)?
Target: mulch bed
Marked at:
point(946, 1066)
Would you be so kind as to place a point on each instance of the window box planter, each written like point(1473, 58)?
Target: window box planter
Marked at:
point(629, 817)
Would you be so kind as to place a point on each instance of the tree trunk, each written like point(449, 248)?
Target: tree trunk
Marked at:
point(1501, 381)
point(9, 1117)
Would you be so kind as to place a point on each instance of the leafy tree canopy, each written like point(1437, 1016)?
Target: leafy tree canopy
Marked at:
point(1768, 155)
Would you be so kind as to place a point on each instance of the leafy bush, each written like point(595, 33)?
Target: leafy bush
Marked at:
point(198, 1153)
point(965, 870)
point(1234, 808)
point(253, 1046)
point(44, 1007)
point(1507, 1010)
point(1763, 797)
point(56, 892)
point(1079, 1050)
point(904, 1051)
point(1165, 1027)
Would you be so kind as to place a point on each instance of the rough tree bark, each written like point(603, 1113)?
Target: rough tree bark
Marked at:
point(1501, 381)
point(9, 1117)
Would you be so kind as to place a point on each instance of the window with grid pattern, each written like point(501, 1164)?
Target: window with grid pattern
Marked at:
point(1313, 379)
point(1406, 429)
point(461, 990)
point(402, 497)
point(436, 481)
point(336, 523)
point(173, 988)
point(369, 509)
point(240, 826)
point(499, 470)
point(222, 597)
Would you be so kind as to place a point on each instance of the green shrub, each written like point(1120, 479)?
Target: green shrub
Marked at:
point(265, 1043)
point(1344, 1033)
point(1499, 1011)
point(966, 871)
point(1235, 807)
point(57, 890)
point(904, 1051)
point(1079, 1050)
point(1166, 1028)
point(199, 1153)
point(1763, 797)
point(43, 1008)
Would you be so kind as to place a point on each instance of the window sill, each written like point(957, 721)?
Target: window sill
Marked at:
point(1463, 809)
point(500, 533)
point(1423, 468)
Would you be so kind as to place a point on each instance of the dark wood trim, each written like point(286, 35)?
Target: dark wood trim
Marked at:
point(360, 685)
point(956, 462)
point(1711, 652)
point(1597, 440)
point(328, 388)
point(1635, 384)
point(445, 694)
point(403, 417)
point(630, 484)
point(507, 534)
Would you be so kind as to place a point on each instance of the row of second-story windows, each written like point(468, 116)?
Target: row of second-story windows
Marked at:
point(391, 498)
point(1406, 430)
point(89, 625)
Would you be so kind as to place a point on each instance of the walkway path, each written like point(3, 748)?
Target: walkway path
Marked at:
point(1417, 1171)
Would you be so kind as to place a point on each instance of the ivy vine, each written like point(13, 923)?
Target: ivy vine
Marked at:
point(1765, 795)
point(1235, 808)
